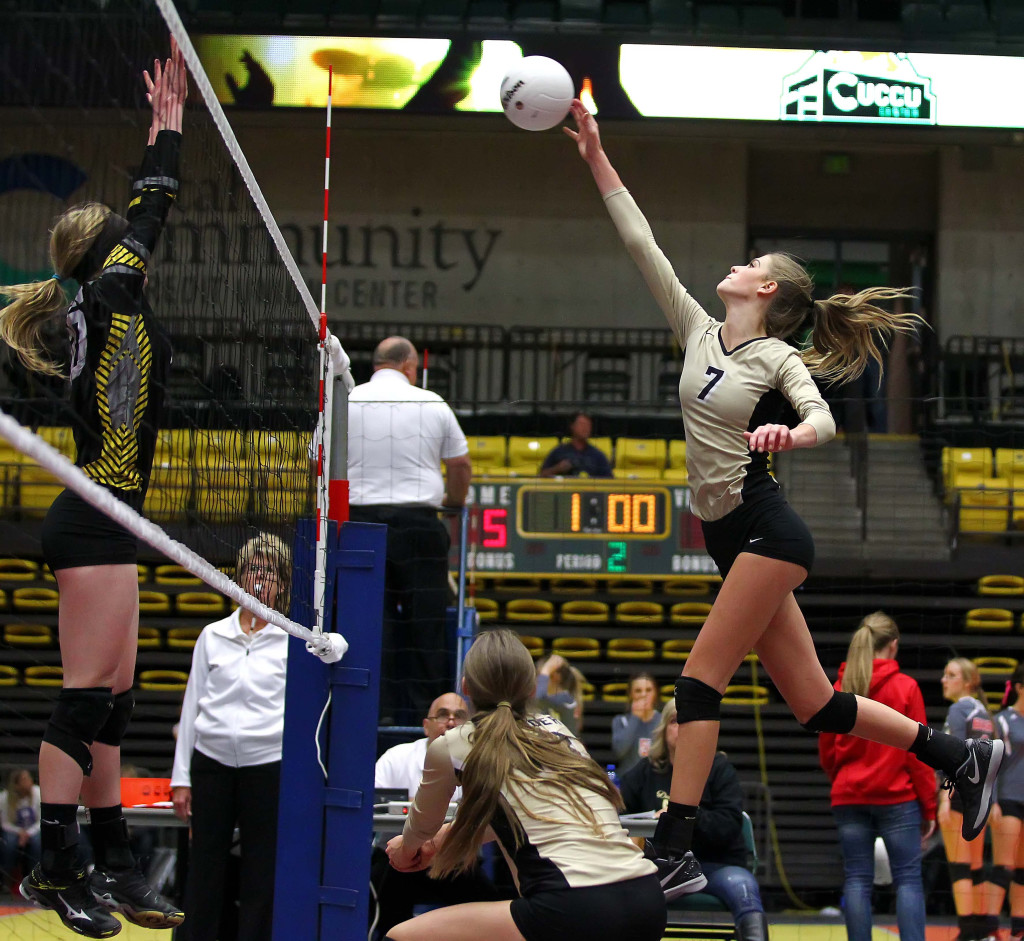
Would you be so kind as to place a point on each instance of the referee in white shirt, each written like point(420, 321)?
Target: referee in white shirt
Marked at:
point(227, 760)
point(398, 437)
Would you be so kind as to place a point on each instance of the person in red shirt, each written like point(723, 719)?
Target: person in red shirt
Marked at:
point(878, 790)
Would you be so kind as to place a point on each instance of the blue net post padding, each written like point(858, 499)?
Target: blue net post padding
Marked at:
point(321, 885)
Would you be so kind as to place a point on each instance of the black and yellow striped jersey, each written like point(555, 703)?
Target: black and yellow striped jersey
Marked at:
point(120, 356)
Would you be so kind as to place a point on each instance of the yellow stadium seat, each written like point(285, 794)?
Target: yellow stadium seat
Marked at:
point(965, 460)
point(175, 575)
point(639, 612)
point(630, 586)
point(677, 649)
point(587, 691)
point(744, 694)
point(224, 473)
point(522, 470)
point(690, 613)
point(154, 602)
point(994, 700)
point(630, 648)
point(676, 454)
point(1001, 585)
point(28, 635)
point(18, 570)
point(640, 457)
point(3, 598)
point(8, 675)
point(47, 574)
point(516, 583)
point(37, 488)
point(35, 599)
point(985, 509)
point(183, 638)
point(493, 470)
point(603, 444)
point(144, 573)
point(163, 680)
point(576, 648)
point(615, 692)
point(667, 692)
point(486, 609)
point(536, 610)
point(487, 451)
point(995, 666)
point(989, 619)
point(38, 675)
point(149, 638)
point(199, 602)
point(170, 480)
point(535, 645)
point(573, 586)
point(1010, 464)
point(529, 452)
point(695, 585)
point(584, 612)
point(676, 475)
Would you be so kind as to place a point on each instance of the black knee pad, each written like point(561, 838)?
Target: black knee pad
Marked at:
point(839, 714)
point(1018, 876)
point(1001, 876)
point(696, 701)
point(978, 876)
point(114, 728)
point(959, 872)
point(77, 717)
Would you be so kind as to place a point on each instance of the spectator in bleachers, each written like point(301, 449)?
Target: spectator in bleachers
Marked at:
point(19, 819)
point(968, 717)
point(631, 732)
point(718, 838)
point(577, 456)
point(402, 767)
point(740, 385)
point(560, 691)
point(227, 758)
point(1008, 813)
point(877, 790)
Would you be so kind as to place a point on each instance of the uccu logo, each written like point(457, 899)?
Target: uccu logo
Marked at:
point(878, 88)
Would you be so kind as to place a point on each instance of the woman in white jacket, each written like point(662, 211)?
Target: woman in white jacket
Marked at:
point(227, 760)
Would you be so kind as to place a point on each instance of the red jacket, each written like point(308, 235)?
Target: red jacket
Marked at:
point(864, 772)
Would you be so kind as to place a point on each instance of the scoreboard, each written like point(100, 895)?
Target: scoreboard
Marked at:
point(583, 528)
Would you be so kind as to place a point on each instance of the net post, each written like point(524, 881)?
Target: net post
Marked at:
point(323, 861)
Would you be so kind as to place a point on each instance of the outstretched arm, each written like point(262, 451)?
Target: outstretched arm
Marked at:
point(588, 140)
point(166, 91)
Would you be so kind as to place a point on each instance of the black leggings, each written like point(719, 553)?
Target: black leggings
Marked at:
point(222, 798)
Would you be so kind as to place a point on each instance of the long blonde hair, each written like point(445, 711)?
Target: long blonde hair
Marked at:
point(971, 675)
point(848, 329)
point(34, 304)
point(659, 756)
point(874, 633)
point(500, 680)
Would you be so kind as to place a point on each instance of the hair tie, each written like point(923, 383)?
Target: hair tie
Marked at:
point(60, 279)
point(810, 303)
point(504, 702)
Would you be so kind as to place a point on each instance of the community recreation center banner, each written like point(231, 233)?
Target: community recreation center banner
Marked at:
point(627, 81)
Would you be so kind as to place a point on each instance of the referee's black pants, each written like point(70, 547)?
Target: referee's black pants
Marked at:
point(418, 664)
point(222, 798)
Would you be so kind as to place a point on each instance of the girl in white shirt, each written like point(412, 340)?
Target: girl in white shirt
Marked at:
point(227, 760)
point(19, 818)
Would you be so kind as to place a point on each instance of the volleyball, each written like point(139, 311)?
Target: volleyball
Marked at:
point(536, 93)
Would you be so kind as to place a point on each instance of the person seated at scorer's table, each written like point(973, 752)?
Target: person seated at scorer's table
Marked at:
point(577, 456)
point(718, 837)
point(401, 767)
point(19, 823)
point(531, 786)
point(227, 759)
point(633, 730)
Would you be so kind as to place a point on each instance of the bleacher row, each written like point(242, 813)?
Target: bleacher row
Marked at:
point(986, 488)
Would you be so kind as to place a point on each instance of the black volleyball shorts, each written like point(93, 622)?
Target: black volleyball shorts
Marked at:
point(768, 527)
point(76, 534)
point(634, 909)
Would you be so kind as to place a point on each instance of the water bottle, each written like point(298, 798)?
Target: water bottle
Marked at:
point(612, 776)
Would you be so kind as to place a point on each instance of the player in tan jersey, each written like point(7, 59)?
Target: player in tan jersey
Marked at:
point(737, 376)
point(529, 784)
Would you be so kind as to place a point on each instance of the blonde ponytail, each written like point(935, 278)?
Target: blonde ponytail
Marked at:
point(34, 304)
point(874, 634)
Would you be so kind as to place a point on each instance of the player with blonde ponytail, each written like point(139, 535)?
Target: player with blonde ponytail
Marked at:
point(530, 785)
point(740, 380)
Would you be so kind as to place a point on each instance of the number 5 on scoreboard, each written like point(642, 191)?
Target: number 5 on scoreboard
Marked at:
point(715, 375)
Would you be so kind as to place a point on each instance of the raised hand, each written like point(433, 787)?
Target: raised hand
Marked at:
point(166, 91)
point(586, 135)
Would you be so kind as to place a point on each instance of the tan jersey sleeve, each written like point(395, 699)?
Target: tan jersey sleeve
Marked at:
point(684, 314)
point(427, 813)
point(796, 384)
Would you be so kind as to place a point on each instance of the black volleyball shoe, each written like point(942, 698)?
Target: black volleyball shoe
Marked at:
point(126, 891)
point(71, 899)
point(973, 782)
point(678, 875)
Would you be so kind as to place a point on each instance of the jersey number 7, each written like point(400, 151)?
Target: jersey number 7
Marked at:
point(715, 375)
